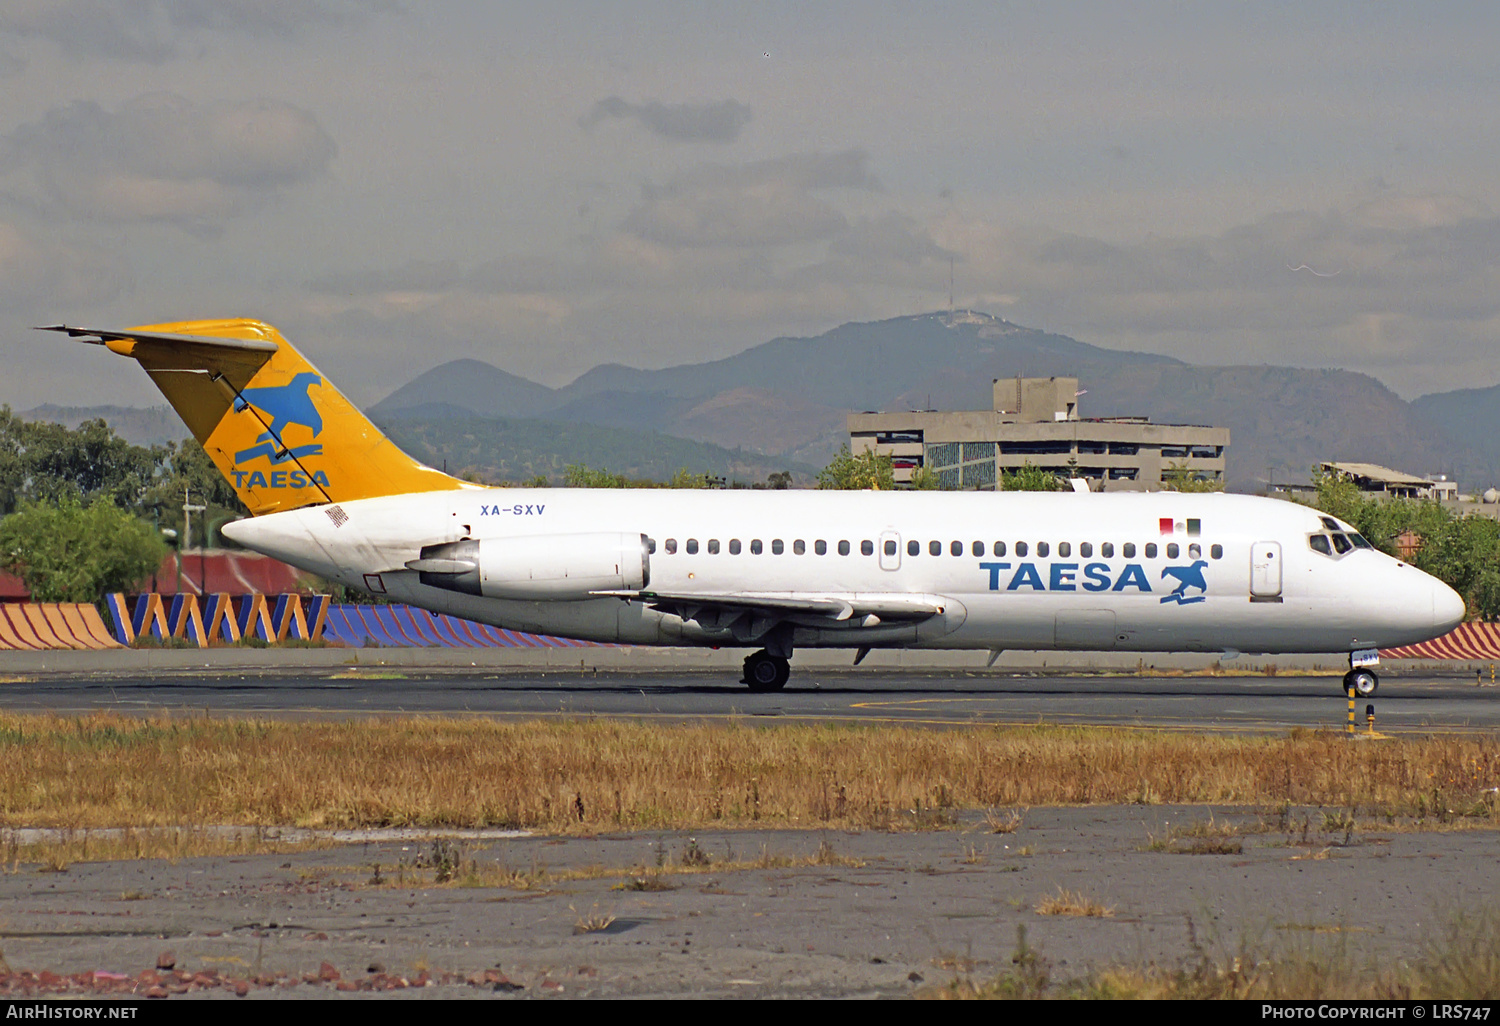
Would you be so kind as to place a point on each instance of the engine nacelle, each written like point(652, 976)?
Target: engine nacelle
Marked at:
point(543, 567)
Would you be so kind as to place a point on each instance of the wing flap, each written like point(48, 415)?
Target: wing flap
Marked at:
point(833, 606)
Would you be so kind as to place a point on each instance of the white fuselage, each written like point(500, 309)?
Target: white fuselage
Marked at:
point(1143, 572)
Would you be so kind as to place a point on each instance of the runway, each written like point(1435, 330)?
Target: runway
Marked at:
point(1410, 703)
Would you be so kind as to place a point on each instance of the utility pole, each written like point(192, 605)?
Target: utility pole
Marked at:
point(188, 509)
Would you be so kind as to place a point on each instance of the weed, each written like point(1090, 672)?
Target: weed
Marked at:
point(593, 922)
point(695, 857)
point(1003, 823)
point(1073, 903)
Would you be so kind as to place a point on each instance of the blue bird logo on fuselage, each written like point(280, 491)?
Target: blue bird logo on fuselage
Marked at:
point(1186, 577)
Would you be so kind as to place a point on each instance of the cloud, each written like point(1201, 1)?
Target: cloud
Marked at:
point(163, 158)
point(151, 31)
point(36, 272)
point(720, 122)
point(764, 203)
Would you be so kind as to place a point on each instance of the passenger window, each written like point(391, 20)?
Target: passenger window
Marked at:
point(776, 547)
point(1085, 549)
point(1128, 550)
point(671, 545)
point(820, 547)
point(1107, 550)
point(1319, 543)
point(1172, 550)
point(1195, 551)
point(867, 547)
point(713, 546)
point(734, 546)
point(1341, 544)
point(651, 546)
point(1064, 549)
point(1020, 549)
point(799, 547)
point(935, 548)
point(999, 549)
point(890, 547)
point(913, 548)
point(1217, 552)
point(692, 546)
point(956, 548)
point(843, 548)
point(755, 547)
point(1151, 550)
point(1042, 549)
point(977, 548)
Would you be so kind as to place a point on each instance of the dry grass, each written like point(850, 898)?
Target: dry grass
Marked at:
point(1461, 963)
point(151, 774)
point(1073, 903)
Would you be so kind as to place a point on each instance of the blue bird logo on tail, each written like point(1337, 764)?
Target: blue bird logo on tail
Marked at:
point(1187, 577)
point(286, 404)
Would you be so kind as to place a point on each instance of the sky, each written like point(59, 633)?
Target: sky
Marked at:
point(548, 187)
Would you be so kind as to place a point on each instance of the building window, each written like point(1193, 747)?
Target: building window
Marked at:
point(978, 451)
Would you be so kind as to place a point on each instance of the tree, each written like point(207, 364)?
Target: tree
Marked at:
point(924, 479)
point(1179, 478)
point(849, 472)
point(69, 552)
point(1029, 478)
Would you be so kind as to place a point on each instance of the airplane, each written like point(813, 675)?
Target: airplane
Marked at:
point(329, 493)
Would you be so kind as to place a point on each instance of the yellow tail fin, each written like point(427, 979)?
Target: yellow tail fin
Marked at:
point(278, 431)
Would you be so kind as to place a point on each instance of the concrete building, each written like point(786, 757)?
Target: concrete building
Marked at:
point(1036, 421)
point(1371, 477)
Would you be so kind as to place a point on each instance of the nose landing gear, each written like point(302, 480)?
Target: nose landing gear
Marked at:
point(1364, 682)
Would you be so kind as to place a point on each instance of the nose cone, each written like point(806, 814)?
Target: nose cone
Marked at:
point(1447, 607)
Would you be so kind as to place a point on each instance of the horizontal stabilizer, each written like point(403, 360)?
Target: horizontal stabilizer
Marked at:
point(96, 337)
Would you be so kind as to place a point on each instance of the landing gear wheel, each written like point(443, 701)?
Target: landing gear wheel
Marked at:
point(1364, 682)
point(765, 672)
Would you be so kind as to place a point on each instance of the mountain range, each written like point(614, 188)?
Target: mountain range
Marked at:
point(781, 406)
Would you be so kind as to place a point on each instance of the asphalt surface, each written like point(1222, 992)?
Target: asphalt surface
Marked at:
point(1411, 702)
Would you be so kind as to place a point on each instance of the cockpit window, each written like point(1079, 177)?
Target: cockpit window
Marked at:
point(1330, 523)
point(1359, 541)
point(1341, 544)
point(1319, 543)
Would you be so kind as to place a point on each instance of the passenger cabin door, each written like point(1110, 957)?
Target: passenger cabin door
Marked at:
point(890, 550)
point(1265, 572)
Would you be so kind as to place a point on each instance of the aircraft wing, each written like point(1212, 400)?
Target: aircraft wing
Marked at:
point(813, 608)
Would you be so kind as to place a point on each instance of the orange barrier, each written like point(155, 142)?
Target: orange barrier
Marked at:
point(41, 626)
point(1466, 641)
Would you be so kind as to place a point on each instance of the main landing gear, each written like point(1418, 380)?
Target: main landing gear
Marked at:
point(766, 672)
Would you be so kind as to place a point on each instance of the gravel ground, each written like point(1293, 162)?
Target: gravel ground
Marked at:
point(883, 915)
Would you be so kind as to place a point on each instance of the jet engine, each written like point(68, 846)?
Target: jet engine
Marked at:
point(543, 567)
